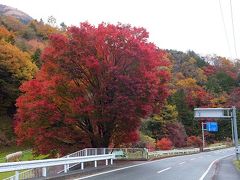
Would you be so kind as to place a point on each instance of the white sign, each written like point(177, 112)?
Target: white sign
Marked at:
point(212, 112)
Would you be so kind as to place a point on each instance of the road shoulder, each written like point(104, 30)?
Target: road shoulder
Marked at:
point(224, 169)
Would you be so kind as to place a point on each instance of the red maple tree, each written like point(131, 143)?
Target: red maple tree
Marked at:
point(95, 85)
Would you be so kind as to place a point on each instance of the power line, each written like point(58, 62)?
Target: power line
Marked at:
point(225, 28)
point(233, 31)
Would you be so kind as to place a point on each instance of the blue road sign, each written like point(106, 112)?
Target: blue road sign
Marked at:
point(212, 126)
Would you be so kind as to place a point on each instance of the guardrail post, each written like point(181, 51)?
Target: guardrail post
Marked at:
point(111, 161)
point(95, 163)
point(16, 175)
point(44, 172)
point(82, 166)
point(146, 150)
point(95, 151)
point(106, 162)
point(104, 150)
point(67, 165)
point(65, 168)
point(85, 152)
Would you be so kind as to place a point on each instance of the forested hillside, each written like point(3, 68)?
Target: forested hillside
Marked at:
point(105, 86)
point(197, 81)
point(22, 40)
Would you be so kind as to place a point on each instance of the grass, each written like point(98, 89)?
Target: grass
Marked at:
point(27, 155)
point(237, 164)
point(136, 155)
point(8, 150)
point(216, 144)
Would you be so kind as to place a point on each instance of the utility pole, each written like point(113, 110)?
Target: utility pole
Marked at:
point(203, 137)
point(232, 129)
point(234, 116)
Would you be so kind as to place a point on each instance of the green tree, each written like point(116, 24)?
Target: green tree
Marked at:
point(220, 82)
point(200, 61)
point(36, 57)
point(155, 126)
point(185, 114)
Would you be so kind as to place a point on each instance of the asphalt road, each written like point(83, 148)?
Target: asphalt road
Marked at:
point(202, 166)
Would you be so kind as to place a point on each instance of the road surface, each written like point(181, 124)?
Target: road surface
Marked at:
point(202, 166)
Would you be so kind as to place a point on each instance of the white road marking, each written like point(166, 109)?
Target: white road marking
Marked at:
point(192, 159)
point(106, 172)
point(181, 162)
point(119, 169)
point(208, 169)
point(164, 170)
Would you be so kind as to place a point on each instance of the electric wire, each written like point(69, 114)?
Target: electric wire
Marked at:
point(224, 27)
point(233, 31)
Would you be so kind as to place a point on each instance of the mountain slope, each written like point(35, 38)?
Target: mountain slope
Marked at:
point(10, 11)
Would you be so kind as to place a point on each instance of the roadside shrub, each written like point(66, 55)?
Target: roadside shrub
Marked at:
point(164, 144)
point(228, 142)
point(145, 142)
point(177, 134)
point(194, 141)
point(210, 137)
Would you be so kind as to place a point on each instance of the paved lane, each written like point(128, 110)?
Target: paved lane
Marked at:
point(189, 167)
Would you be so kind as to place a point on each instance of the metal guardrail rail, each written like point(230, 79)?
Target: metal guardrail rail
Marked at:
point(43, 164)
point(174, 152)
point(120, 153)
point(214, 148)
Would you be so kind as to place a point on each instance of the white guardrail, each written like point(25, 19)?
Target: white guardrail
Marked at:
point(43, 164)
point(215, 147)
point(182, 151)
point(119, 153)
point(173, 152)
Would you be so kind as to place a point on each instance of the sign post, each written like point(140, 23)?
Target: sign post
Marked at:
point(210, 127)
point(203, 137)
point(229, 113)
point(232, 131)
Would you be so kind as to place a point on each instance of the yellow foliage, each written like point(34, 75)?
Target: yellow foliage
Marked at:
point(187, 83)
point(219, 100)
point(44, 30)
point(5, 34)
point(225, 63)
point(16, 62)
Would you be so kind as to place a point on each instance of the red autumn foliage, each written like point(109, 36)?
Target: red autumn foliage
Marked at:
point(209, 137)
point(164, 144)
point(94, 87)
point(234, 99)
point(198, 97)
point(194, 141)
point(209, 70)
point(177, 134)
point(221, 64)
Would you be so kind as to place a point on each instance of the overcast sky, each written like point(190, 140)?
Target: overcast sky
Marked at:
point(172, 24)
